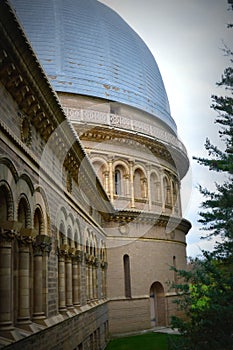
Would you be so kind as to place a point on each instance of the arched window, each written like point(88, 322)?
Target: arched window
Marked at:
point(3, 204)
point(174, 193)
point(37, 221)
point(167, 191)
point(127, 276)
point(140, 184)
point(23, 213)
point(69, 237)
point(76, 240)
point(61, 235)
point(118, 189)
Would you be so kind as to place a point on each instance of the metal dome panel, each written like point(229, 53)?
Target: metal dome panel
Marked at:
point(87, 48)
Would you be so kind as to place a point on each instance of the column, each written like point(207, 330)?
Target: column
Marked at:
point(91, 281)
point(96, 278)
point(149, 188)
point(111, 185)
point(23, 280)
point(61, 282)
point(87, 277)
point(131, 184)
point(163, 197)
point(106, 182)
point(42, 248)
point(69, 280)
point(127, 187)
point(94, 282)
point(77, 277)
point(38, 286)
point(6, 316)
point(104, 278)
point(75, 281)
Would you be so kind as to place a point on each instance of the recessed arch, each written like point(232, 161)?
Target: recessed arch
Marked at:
point(120, 172)
point(38, 221)
point(24, 212)
point(155, 187)
point(140, 183)
point(28, 180)
point(100, 166)
point(127, 277)
point(157, 305)
point(7, 164)
point(40, 199)
point(166, 190)
point(6, 202)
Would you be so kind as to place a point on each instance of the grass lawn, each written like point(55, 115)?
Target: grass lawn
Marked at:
point(148, 341)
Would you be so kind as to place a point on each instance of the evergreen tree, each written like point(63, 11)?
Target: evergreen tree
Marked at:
point(206, 290)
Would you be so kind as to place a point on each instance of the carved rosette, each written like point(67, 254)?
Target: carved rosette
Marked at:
point(42, 245)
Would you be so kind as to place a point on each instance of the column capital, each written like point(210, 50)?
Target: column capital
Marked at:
point(42, 245)
point(24, 241)
point(7, 235)
point(104, 264)
point(78, 255)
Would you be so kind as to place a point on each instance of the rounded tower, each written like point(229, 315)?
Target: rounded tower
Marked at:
point(110, 87)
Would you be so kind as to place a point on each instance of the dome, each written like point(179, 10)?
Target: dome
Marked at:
point(86, 48)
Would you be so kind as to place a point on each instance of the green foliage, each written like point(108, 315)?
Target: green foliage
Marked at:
point(206, 298)
point(206, 291)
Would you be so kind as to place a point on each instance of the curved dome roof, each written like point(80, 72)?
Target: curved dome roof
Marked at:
point(87, 48)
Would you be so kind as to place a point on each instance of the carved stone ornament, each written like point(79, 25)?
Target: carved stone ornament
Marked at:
point(26, 130)
point(90, 259)
point(96, 262)
point(104, 264)
point(6, 235)
point(79, 255)
point(69, 183)
point(124, 229)
point(24, 241)
point(42, 245)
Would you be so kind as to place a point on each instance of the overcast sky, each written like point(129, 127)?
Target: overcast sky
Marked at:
point(186, 38)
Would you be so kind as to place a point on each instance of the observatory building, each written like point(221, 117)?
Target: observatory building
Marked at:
point(90, 171)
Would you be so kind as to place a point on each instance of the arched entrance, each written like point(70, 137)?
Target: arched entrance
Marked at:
point(157, 305)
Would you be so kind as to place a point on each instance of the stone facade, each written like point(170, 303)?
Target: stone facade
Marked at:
point(90, 212)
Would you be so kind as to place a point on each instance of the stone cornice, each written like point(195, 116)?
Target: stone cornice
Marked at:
point(101, 134)
point(137, 216)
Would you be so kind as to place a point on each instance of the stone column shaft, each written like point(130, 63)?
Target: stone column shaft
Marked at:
point(111, 187)
point(75, 276)
point(61, 284)
point(38, 287)
point(69, 280)
point(24, 287)
point(6, 315)
point(132, 185)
